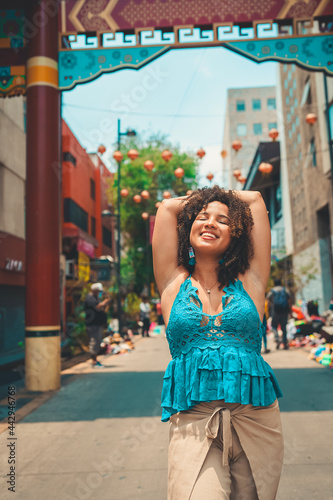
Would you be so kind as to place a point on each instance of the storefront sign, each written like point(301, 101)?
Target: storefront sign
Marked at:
point(13, 265)
point(85, 247)
point(83, 267)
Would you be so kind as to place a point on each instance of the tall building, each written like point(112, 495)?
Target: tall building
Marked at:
point(306, 160)
point(12, 228)
point(88, 244)
point(250, 114)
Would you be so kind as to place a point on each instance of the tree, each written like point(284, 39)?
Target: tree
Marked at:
point(137, 265)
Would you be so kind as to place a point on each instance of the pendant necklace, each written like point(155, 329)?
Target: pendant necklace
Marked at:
point(208, 290)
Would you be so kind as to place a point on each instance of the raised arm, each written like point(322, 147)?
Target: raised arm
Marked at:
point(165, 242)
point(261, 233)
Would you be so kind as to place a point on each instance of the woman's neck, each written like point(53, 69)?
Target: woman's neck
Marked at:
point(206, 270)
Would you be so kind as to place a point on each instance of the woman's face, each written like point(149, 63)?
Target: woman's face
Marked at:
point(210, 230)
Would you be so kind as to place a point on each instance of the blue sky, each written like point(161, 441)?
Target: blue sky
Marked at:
point(182, 94)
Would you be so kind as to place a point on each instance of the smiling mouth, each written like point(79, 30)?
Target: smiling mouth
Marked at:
point(210, 236)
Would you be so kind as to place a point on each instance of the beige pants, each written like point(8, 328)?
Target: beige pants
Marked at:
point(223, 451)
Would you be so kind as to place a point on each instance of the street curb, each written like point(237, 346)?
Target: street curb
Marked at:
point(41, 397)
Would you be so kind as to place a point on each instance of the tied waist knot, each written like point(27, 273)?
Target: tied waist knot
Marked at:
point(212, 427)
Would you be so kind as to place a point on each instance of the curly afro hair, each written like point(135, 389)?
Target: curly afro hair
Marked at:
point(240, 251)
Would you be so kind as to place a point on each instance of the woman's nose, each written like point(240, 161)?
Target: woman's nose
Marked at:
point(210, 222)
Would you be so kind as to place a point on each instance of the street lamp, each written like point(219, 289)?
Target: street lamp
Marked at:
point(129, 133)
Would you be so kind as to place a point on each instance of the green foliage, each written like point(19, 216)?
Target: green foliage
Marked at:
point(136, 267)
point(132, 305)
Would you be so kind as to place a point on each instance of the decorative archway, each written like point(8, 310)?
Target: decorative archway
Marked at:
point(52, 45)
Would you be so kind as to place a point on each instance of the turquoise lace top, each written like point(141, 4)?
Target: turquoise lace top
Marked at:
point(216, 357)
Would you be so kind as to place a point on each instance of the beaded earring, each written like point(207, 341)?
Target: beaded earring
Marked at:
point(191, 256)
point(221, 260)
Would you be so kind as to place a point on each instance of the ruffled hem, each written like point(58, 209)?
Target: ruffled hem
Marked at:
point(229, 373)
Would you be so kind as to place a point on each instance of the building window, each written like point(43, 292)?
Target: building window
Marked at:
point(295, 102)
point(290, 133)
point(107, 240)
point(93, 225)
point(287, 99)
point(298, 138)
point(313, 152)
point(297, 121)
point(286, 84)
point(271, 103)
point(288, 117)
point(92, 189)
point(75, 214)
point(67, 156)
point(240, 105)
point(256, 104)
point(241, 129)
point(291, 92)
point(294, 84)
point(272, 125)
point(257, 128)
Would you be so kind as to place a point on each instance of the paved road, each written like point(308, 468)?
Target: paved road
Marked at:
point(100, 436)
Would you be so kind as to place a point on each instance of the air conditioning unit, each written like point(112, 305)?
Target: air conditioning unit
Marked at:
point(70, 269)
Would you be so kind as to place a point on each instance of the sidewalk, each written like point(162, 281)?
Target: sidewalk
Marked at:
point(100, 436)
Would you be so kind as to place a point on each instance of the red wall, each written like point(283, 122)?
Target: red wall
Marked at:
point(76, 185)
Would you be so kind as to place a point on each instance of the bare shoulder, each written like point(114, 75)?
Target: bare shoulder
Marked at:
point(171, 290)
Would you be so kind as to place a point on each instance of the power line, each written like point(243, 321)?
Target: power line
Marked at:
point(158, 115)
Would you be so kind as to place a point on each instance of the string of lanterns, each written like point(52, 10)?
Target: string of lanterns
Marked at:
point(265, 168)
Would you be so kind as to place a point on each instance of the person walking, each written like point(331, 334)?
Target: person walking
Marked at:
point(145, 315)
point(211, 255)
point(281, 307)
point(95, 320)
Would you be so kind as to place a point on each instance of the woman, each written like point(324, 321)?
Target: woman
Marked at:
point(211, 263)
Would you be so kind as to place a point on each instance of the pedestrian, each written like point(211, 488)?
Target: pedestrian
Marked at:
point(211, 253)
point(96, 319)
point(145, 315)
point(264, 331)
point(159, 314)
point(281, 307)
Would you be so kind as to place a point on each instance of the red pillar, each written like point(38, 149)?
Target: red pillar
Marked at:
point(98, 209)
point(43, 201)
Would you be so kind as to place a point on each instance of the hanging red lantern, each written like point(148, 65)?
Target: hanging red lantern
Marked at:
point(210, 176)
point(167, 155)
point(124, 192)
point(101, 149)
point(265, 168)
point(237, 173)
point(157, 204)
point(201, 153)
point(189, 192)
point(117, 155)
point(236, 145)
point(145, 215)
point(242, 179)
point(273, 134)
point(133, 154)
point(145, 195)
point(149, 165)
point(137, 198)
point(166, 195)
point(179, 173)
point(223, 153)
point(311, 118)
